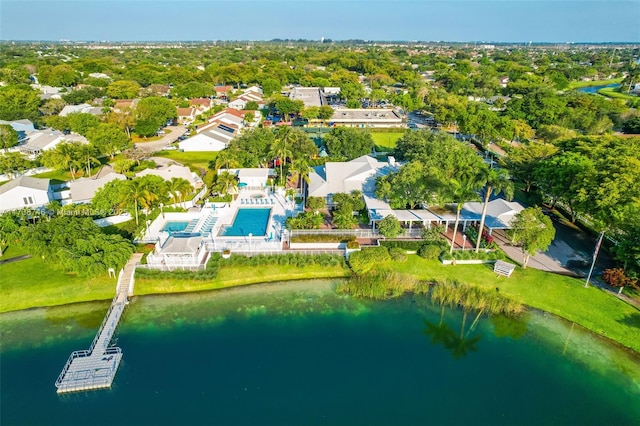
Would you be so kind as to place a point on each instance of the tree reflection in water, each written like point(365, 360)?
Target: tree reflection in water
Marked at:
point(458, 345)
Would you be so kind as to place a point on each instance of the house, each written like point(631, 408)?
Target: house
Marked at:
point(369, 117)
point(99, 75)
point(346, 176)
point(82, 190)
point(504, 81)
point(122, 104)
point(82, 108)
point(186, 115)
point(203, 104)
point(48, 92)
point(23, 127)
point(25, 192)
point(250, 178)
point(174, 171)
point(500, 213)
point(310, 96)
point(43, 140)
point(229, 117)
point(221, 91)
point(216, 138)
point(241, 101)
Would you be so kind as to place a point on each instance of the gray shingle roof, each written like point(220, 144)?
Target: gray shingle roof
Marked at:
point(27, 182)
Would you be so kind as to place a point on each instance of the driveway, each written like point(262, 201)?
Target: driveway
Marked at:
point(155, 146)
point(570, 253)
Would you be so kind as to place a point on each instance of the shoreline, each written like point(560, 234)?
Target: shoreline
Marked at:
point(256, 284)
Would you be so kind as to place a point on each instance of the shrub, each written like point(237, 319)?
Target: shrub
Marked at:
point(353, 245)
point(390, 227)
point(397, 254)
point(409, 245)
point(617, 278)
point(430, 251)
point(365, 260)
point(322, 238)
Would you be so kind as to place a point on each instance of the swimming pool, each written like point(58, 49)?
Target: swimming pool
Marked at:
point(175, 226)
point(248, 221)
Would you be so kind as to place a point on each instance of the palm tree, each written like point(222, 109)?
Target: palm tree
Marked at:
point(461, 191)
point(88, 155)
point(300, 166)
point(225, 159)
point(226, 183)
point(498, 181)
point(281, 147)
point(179, 188)
point(137, 191)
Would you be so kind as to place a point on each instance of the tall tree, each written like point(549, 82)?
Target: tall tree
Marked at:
point(179, 188)
point(65, 155)
point(18, 102)
point(348, 143)
point(109, 139)
point(281, 147)
point(533, 231)
point(8, 137)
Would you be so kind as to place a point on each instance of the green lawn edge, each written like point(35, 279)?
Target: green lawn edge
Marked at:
point(33, 283)
point(581, 84)
point(566, 297)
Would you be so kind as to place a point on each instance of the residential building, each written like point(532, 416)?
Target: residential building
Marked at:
point(43, 140)
point(215, 138)
point(174, 171)
point(370, 117)
point(25, 192)
point(186, 115)
point(82, 108)
point(310, 96)
point(346, 176)
point(251, 178)
point(82, 190)
point(222, 91)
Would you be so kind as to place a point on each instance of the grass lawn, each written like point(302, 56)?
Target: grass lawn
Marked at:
point(566, 297)
point(33, 283)
point(59, 176)
point(579, 84)
point(611, 93)
point(231, 276)
point(194, 160)
point(386, 141)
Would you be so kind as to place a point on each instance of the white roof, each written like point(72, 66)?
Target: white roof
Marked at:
point(26, 182)
point(500, 213)
point(82, 108)
point(46, 139)
point(85, 188)
point(166, 173)
point(336, 177)
point(181, 245)
point(206, 141)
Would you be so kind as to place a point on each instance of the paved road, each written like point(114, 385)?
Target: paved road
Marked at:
point(155, 146)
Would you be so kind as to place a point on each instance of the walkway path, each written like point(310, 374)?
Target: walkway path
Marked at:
point(96, 367)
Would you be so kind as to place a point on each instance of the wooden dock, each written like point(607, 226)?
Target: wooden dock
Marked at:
point(96, 367)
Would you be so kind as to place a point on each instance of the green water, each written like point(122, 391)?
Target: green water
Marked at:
point(296, 353)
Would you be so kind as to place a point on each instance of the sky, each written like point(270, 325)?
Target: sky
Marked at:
point(555, 21)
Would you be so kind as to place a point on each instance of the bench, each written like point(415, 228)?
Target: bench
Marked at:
point(503, 268)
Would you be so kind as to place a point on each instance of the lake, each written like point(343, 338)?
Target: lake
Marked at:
point(297, 353)
point(594, 89)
